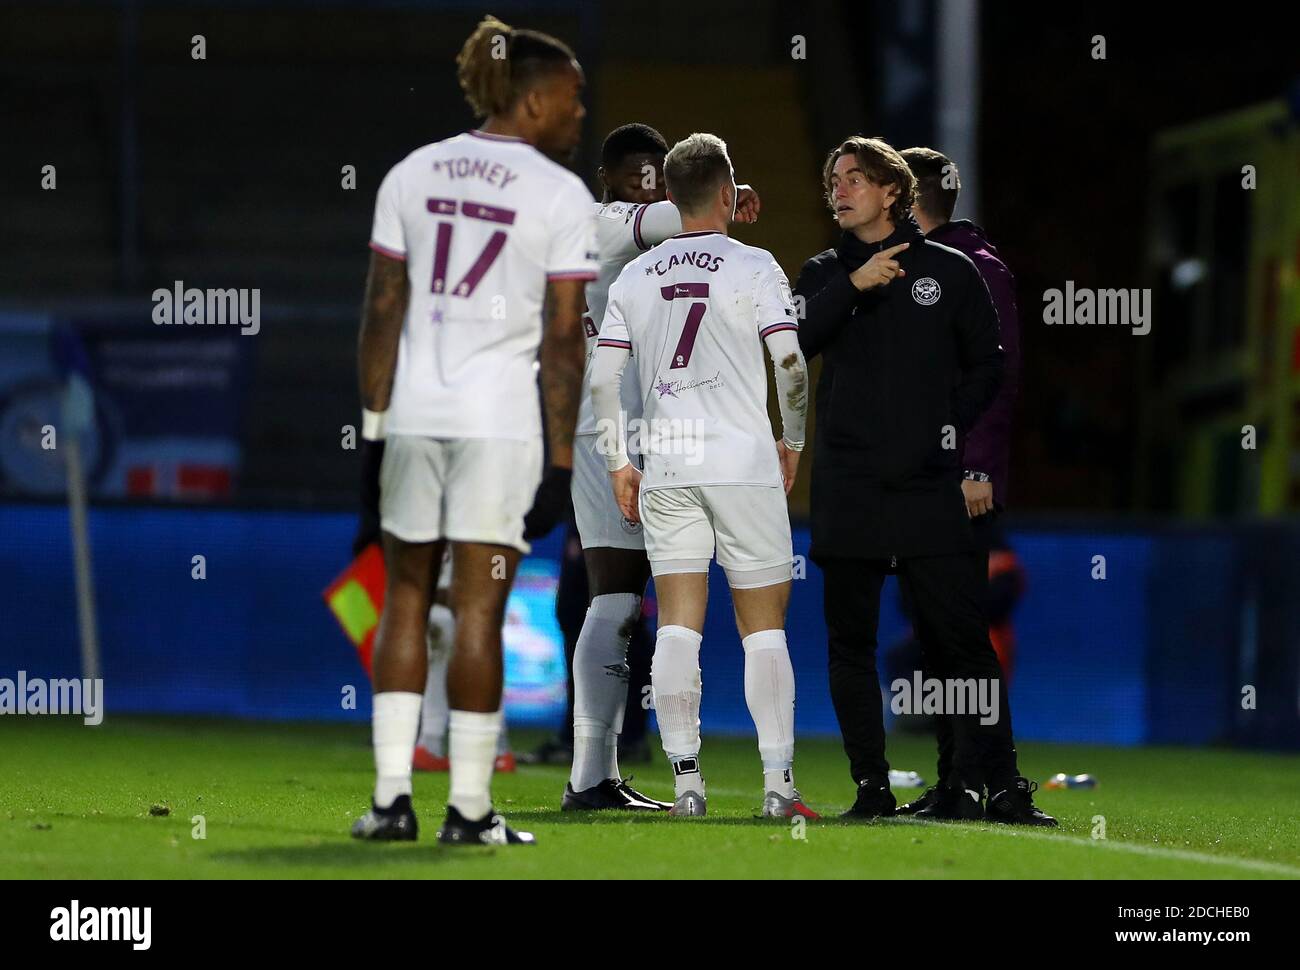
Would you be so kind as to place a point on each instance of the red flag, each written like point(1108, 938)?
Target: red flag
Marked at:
point(356, 598)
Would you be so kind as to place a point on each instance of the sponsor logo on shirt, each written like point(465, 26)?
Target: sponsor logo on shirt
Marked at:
point(672, 387)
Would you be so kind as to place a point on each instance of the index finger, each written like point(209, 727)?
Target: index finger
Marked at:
point(895, 249)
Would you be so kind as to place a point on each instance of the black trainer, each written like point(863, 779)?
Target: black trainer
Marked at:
point(931, 796)
point(874, 800)
point(953, 804)
point(1013, 804)
point(393, 824)
point(491, 829)
point(610, 794)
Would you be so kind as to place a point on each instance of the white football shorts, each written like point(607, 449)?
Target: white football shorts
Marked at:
point(461, 489)
point(747, 525)
point(600, 523)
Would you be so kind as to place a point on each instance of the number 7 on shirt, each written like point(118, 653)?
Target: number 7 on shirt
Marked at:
point(694, 317)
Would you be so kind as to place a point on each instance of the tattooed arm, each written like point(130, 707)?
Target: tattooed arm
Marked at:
point(381, 329)
point(563, 357)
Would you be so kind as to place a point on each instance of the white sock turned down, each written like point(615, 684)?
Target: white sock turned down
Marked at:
point(600, 687)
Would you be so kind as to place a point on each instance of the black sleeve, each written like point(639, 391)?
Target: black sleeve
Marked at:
point(828, 298)
point(978, 352)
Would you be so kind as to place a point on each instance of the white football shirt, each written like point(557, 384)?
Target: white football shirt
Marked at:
point(623, 230)
point(694, 312)
point(482, 221)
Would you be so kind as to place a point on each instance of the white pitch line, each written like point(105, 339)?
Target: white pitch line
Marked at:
point(1187, 855)
point(993, 828)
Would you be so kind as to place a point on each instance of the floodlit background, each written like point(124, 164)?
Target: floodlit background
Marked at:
point(1173, 163)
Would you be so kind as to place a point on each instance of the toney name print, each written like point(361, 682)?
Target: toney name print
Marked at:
point(464, 167)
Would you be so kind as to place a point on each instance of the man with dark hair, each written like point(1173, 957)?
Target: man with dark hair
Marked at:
point(910, 360)
point(632, 164)
point(985, 448)
point(488, 217)
point(938, 184)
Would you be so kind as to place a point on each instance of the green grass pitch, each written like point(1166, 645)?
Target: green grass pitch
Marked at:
point(277, 800)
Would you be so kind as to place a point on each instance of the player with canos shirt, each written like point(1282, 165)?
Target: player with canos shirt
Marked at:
point(472, 237)
point(695, 313)
point(631, 218)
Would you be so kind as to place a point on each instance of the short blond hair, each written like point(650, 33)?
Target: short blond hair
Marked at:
point(694, 169)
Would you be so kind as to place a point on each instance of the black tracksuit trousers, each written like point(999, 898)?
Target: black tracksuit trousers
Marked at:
point(947, 594)
point(943, 725)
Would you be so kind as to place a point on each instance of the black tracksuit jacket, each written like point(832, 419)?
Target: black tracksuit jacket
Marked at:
point(906, 368)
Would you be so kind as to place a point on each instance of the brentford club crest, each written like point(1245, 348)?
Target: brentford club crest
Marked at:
point(925, 291)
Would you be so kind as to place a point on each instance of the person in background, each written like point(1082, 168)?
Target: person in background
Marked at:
point(985, 448)
point(571, 599)
point(911, 361)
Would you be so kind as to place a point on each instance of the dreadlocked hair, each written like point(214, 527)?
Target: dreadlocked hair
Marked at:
point(498, 63)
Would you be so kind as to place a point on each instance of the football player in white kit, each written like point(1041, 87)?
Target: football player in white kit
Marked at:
point(631, 218)
point(474, 237)
point(694, 313)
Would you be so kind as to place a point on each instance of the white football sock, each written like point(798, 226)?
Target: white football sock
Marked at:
point(435, 711)
point(686, 775)
point(780, 780)
point(472, 749)
point(769, 693)
point(675, 680)
point(611, 749)
point(600, 686)
point(394, 722)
